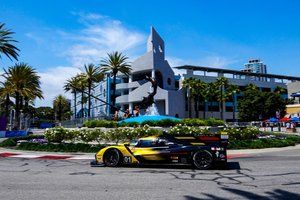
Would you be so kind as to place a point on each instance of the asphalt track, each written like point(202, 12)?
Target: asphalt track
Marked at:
point(270, 175)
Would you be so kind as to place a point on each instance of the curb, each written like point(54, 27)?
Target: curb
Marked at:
point(231, 154)
point(74, 157)
point(46, 156)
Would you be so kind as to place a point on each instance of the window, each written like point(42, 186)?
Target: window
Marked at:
point(147, 143)
point(160, 49)
point(154, 142)
point(177, 84)
point(169, 81)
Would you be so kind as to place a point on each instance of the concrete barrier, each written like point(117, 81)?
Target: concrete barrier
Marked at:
point(7, 134)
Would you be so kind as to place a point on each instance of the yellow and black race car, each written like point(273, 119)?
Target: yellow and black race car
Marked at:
point(200, 151)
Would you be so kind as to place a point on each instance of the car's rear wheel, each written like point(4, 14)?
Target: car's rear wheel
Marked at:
point(112, 158)
point(203, 159)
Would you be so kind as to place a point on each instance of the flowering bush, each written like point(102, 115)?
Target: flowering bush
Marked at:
point(187, 130)
point(125, 134)
point(56, 134)
point(89, 135)
point(247, 133)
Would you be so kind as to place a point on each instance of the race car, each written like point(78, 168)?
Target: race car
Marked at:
point(202, 152)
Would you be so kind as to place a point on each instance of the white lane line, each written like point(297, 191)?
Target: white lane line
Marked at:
point(81, 158)
point(25, 156)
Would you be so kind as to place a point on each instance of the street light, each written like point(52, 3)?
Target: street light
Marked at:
point(234, 101)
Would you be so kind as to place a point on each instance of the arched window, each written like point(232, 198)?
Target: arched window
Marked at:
point(169, 81)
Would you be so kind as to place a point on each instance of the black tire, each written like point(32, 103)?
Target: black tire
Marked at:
point(203, 159)
point(112, 158)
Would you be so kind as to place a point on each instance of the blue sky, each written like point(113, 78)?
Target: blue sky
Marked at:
point(58, 37)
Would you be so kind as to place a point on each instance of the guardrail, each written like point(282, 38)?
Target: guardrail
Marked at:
point(17, 133)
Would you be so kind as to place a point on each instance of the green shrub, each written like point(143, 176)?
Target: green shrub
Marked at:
point(100, 123)
point(214, 122)
point(10, 142)
point(128, 124)
point(194, 122)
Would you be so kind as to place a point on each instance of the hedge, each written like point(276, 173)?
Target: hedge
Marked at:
point(61, 139)
point(161, 123)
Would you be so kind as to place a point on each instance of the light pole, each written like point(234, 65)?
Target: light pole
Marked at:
point(234, 102)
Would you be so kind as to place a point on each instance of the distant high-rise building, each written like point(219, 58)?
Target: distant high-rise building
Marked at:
point(255, 66)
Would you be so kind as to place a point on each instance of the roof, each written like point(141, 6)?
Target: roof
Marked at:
point(230, 71)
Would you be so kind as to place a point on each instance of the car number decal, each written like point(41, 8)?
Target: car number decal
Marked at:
point(127, 159)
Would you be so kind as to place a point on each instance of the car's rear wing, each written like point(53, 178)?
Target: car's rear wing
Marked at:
point(207, 139)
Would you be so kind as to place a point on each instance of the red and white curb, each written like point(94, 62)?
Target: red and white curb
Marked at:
point(46, 156)
point(74, 157)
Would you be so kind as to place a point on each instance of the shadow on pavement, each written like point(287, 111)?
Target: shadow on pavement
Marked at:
point(229, 166)
point(275, 194)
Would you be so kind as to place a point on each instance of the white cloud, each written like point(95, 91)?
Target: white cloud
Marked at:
point(207, 61)
point(52, 82)
point(98, 36)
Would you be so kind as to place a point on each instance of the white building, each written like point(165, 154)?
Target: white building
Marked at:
point(171, 99)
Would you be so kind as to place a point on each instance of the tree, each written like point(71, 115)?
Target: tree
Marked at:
point(115, 63)
point(222, 83)
point(61, 108)
point(6, 46)
point(5, 92)
point(280, 90)
point(44, 114)
point(189, 84)
point(24, 84)
point(73, 84)
point(93, 75)
point(198, 92)
point(256, 105)
point(82, 82)
point(231, 91)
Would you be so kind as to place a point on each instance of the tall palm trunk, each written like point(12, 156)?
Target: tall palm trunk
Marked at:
point(190, 107)
point(82, 97)
point(204, 109)
point(89, 97)
point(196, 107)
point(7, 102)
point(114, 93)
point(221, 102)
point(75, 103)
point(60, 111)
point(17, 116)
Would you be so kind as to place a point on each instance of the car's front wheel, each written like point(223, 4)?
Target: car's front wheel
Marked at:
point(112, 158)
point(203, 159)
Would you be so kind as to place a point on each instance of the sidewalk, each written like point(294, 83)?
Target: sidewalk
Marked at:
point(231, 154)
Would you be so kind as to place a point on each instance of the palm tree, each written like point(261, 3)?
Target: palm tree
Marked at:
point(73, 85)
point(82, 82)
point(189, 84)
point(231, 91)
point(6, 46)
point(222, 83)
point(115, 63)
point(93, 75)
point(280, 90)
point(61, 107)
point(5, 92)
point(24, 83)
